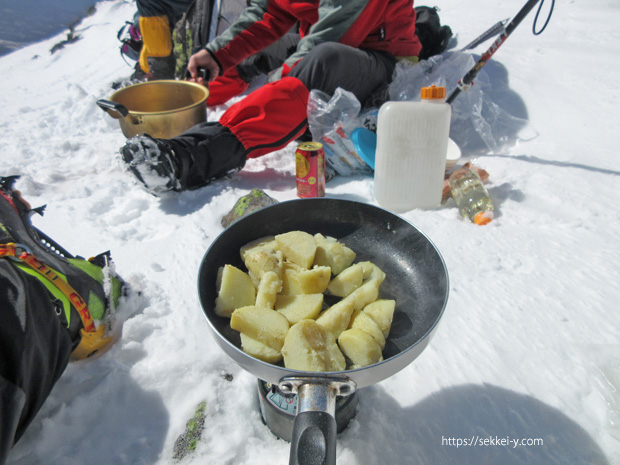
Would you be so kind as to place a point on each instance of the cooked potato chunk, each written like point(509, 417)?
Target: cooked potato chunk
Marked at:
point(347, 281)
point(298, 280)
point(235, 290)
point(259, 350)
point(263, 324)
point(305, 347)
point(299, 307)
point(261, 256)
point(268, 290)
point(298, 247)
point(359, 347)
point(364, 322)
point(372, 271)
point(260, 262)
point(336, 318)
point(382, 312)
point(366, 293)
point(330, 252)
point(267, 243)
point(335, 358)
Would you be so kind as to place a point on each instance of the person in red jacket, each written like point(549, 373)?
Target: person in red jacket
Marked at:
point(353, 45)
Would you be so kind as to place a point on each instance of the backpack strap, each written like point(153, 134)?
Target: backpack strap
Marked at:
point(22, 254)
point(92, 339)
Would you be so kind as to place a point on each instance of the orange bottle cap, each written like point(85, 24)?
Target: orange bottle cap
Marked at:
point(483, 218)
point(433, 93)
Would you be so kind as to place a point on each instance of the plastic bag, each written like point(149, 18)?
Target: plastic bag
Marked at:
point(332, 121)
point(480, 121)
point(368, 118)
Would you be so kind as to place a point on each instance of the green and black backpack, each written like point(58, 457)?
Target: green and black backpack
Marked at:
point(85, 292)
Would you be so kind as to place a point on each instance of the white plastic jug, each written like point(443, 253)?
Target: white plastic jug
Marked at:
point(412, 145)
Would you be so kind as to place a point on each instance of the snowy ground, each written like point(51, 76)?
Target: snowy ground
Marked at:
point(528, 347)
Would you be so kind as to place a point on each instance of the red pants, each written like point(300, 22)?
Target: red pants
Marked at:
point(276, 114)
point(270, 117)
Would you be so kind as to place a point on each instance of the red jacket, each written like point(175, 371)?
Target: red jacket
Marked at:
point(385, 25)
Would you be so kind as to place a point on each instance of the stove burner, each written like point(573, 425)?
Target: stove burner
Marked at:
point(278, 411)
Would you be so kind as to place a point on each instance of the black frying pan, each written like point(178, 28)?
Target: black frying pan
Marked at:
point(416, 278)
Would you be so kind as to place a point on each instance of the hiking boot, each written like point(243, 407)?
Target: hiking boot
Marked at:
point(153, 163)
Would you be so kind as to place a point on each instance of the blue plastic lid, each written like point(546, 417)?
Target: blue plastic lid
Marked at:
point(365, 142)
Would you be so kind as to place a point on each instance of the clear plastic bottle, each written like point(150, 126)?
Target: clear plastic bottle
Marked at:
point(471, 197)
point(412, 145)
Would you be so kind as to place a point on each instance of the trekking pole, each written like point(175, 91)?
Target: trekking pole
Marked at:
point(466, 82)
point(491, 32)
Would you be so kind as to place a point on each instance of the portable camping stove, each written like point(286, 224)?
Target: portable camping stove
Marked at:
point(279, 410)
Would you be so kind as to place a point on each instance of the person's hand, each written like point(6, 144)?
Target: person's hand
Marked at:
point(204, 60)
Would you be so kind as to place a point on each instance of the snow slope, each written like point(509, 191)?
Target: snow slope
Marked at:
point(528, 347)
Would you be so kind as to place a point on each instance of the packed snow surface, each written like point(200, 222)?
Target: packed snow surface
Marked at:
point(526, 358)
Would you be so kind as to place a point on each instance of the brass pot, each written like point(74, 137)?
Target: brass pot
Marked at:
point(162, 109)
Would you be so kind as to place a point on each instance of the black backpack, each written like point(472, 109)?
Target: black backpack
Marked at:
point(433, 36)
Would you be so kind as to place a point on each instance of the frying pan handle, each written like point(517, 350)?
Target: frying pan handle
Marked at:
point(314, 439)
point(108, 105)
point(314, 430)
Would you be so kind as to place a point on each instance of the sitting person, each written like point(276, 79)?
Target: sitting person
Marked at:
point(53, 307)
point(352, 45)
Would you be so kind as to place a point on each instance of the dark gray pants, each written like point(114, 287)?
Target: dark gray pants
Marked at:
point(268, 60)
point(332, 65)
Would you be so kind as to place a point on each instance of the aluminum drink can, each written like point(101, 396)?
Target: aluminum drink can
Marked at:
point(310, 163)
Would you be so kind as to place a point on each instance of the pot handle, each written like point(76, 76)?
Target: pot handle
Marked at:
point(202, 72)
point(108, 105)
point(314, 429)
